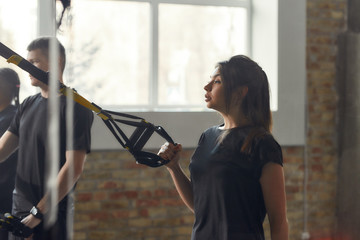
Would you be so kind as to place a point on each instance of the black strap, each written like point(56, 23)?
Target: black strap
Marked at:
point(141, 135)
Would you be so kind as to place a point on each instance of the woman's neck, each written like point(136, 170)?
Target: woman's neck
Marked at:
point(232, 120)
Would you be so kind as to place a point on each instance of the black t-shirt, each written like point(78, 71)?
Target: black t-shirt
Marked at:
point(228, 200)
point(30, 125)
point(8, 167)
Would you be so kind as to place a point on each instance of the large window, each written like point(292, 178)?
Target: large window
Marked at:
point(17, 29)
point(152, 57)
point(191, 39)
point(153, 54)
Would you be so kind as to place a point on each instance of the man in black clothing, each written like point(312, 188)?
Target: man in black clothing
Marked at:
point(9, 89)
point(29, 132)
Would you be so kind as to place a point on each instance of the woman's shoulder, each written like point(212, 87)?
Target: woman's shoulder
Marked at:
point(216, 128)
point(268, 149)
point(210, 133)
point(11, 109)
point(269, 140)
point(213, 131)
point(7, 115)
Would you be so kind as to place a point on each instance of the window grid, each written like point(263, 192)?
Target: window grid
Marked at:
point(153, 98)
point(154, 49)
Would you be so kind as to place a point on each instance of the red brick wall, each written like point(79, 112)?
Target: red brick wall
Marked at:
point(325, 21)
point(117, 199)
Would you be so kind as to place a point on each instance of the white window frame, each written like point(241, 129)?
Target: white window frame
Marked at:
point(286, 22)
point(154, 31)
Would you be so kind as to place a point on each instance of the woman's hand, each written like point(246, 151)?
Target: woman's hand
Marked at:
point(170, 152)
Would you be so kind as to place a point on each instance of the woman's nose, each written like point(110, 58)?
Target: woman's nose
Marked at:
point(207, 87)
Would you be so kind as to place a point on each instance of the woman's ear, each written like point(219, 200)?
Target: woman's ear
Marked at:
point(239, 94)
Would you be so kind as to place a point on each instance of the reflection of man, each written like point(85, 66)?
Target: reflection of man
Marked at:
point(9, 90)
point(28, 131)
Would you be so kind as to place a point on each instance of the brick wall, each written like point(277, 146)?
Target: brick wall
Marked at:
point(325, 21)
point(117, 199)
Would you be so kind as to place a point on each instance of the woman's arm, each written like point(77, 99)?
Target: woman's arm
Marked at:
point(8, 144)
point(273, 188)
point(183, 186)
point(181, 181)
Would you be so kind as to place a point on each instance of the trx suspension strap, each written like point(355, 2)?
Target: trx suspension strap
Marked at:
point(143, 129)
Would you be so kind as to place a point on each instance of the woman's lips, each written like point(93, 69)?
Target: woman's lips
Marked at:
point(207, 98)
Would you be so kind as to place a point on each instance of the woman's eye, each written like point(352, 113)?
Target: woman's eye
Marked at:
point(217, 81)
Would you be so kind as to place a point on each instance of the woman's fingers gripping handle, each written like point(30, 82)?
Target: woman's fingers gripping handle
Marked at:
point(169, 151)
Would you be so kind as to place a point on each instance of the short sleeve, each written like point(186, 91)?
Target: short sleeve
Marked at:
point(201, 139)
point(197, 149)
point(267, 150)
point(83, 119)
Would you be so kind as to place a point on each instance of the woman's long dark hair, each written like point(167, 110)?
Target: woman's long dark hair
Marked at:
point(241, 71)
point(10, 80)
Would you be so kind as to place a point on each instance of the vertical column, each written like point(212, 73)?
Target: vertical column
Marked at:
point(46, 15)
point(47, 27)
point(348, 202)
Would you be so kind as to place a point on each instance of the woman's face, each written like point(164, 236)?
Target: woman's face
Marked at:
point(215, 93)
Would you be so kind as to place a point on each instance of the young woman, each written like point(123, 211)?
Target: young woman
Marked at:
point(236, 170)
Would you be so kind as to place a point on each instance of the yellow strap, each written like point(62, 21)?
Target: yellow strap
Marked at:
point(15, 59)
point(82, 101)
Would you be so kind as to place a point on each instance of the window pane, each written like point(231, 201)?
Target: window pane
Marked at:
point(192, 39)
point(17, 30)
point(107, 44)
